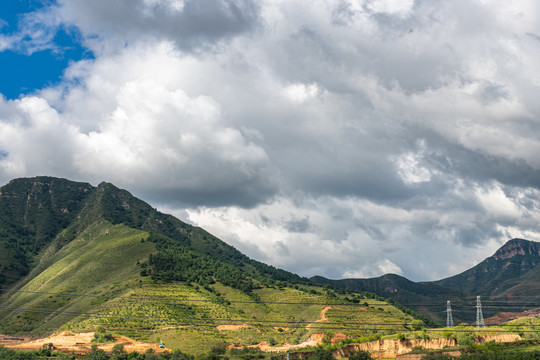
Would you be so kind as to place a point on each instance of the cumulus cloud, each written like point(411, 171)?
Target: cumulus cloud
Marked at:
point(348, 137)
point(191, 24)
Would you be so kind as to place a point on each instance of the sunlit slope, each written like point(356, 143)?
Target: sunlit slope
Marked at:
point(105, 261)
point(102, 260)
point(119, 266)
point(193, 318)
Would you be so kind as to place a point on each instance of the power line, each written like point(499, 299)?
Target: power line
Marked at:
point(163, 318)
point(459, 304)
point(261, 323)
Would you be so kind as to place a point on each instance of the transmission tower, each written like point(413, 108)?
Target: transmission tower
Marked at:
point(449, 320)
point(479, 315)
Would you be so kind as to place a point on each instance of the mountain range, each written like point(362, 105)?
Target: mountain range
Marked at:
point(79, 257)
point(509, 280)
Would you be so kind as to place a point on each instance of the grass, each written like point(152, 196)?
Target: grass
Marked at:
point(103, 261)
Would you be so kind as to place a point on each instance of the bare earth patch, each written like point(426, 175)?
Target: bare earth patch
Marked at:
point(231, 327)
point(507, 316)
point(66, 341)
point(323, 317)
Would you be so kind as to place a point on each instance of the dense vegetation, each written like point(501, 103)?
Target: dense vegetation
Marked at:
point(118, 353)
point(32, 212)
point(177, 262)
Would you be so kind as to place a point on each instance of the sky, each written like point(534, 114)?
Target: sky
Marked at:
point(341, 138)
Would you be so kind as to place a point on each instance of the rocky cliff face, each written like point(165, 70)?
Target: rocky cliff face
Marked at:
point(517, 247)
point(391, 348)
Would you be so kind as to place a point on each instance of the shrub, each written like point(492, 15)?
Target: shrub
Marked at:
point(360, 355)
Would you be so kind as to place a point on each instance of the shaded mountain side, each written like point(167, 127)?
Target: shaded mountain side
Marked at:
point(507, 281)
point(498, 273)
point(32, 212)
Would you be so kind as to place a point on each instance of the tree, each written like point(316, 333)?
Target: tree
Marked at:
point(321, 354)
point(360, 355)
point(417, 325)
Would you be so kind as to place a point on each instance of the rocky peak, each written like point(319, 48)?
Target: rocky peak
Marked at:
point(517, 247)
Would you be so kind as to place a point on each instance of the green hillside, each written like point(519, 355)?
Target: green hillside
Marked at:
point(425, 298)
point(113, 264)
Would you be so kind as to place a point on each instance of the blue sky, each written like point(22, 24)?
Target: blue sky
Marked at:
point(342, 138)
point(24, 71)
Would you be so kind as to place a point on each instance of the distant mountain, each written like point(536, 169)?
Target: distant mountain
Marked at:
point(83, 258)
point(505, 281)
point(510, 266)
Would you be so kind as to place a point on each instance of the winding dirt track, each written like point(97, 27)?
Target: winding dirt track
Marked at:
point(313, 340)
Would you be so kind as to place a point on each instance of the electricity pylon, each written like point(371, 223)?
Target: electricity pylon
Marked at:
point(479, 315)
point(449, 320)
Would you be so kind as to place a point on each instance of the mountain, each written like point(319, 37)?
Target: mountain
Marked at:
point(425, 298)
point(45, 213)
point(514, 262)
point(508, 280)
point(83, 258)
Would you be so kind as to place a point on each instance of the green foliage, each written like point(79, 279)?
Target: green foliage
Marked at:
point(43, 354)
point(102, 338)
point(465, 338)
point(327, 337)
point(417, 325)
point(177, 262)
point(321, 354)
point(360, 355)
point(448, 334)
point(219, 349)
point(437, 357)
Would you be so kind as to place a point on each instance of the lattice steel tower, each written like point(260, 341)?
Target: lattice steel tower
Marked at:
point(479, 315)
point(449, 320)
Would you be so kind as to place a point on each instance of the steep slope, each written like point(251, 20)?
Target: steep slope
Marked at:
point(498, 273)
point(32, 212)
point(102, 260)
point(120, 207)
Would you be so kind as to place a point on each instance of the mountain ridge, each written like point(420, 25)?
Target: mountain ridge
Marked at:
point(512, 273)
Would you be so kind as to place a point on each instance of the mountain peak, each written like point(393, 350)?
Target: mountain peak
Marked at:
point(517, 247)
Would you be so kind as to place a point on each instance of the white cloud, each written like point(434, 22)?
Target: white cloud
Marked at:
point(401, 8)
